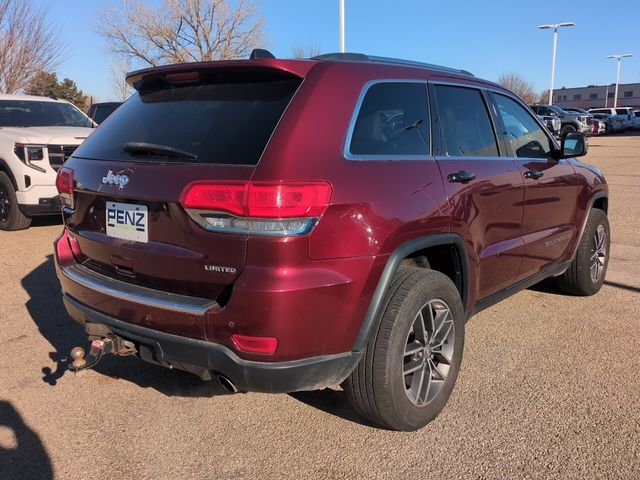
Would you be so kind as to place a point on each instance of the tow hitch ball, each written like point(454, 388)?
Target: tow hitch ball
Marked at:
point(99, 348)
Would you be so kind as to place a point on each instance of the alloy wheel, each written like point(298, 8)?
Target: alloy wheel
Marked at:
point(428, 352)
point(598, 253)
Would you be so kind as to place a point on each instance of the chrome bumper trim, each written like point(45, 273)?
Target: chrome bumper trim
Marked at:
point(137, 294)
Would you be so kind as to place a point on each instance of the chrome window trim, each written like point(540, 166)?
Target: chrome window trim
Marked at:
point(128, 292)
point(354, 116)
point(463, 157)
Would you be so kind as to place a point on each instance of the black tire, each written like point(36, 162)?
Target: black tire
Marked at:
point(11, 218)
point(578, 279)
point(378, 389)
point(567, 129)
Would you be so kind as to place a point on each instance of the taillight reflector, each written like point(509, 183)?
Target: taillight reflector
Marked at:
point(255, 344)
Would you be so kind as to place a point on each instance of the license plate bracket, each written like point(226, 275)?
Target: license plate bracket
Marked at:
point(127, 221)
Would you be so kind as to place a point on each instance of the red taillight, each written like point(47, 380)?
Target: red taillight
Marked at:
point(64, 184)
point(260, 200)
point(223, 197)
point(287, 200)
point(255, 344)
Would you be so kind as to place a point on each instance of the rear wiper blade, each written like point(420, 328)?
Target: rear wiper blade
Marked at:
point(156, 149)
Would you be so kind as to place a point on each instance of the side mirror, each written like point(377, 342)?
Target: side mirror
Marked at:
point(574, 145)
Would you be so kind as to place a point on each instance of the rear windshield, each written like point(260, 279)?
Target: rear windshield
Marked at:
point(27, 113)
point(220, 123)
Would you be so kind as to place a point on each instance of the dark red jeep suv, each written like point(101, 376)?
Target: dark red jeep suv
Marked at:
point(283, 225)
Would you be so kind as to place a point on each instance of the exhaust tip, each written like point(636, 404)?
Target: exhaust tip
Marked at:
point(227, 384)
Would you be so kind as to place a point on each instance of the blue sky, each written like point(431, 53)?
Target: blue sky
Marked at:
point(486, 37)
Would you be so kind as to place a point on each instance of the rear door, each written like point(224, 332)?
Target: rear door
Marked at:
point(485, 190)
point(550, 186)
point(625, 114)
point(131, 173)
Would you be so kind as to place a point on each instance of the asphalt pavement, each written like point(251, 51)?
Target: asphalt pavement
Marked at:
point(549, 388)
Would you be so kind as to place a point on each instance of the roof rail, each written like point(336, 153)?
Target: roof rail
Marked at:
point(361, 57)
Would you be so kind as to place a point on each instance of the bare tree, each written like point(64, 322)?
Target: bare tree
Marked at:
point(543, 97)
point(29, 44)
point(519, 85)
point(120, 87)
point(308, 50)
point(179, 31)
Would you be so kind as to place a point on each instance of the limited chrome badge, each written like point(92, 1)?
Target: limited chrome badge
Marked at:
point(120, 180)
point(220, 269)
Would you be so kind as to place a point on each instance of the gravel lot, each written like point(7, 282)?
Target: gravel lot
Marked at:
point(550, 388)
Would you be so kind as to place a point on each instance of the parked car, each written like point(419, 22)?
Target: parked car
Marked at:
point(98, 112)
point(553, 124)
point(626, 114)
point(274, 256)
point(37, 135)
point(597, 128)
point(571, 122)
point(637, 119)
point(613, 123)
point(578, 110)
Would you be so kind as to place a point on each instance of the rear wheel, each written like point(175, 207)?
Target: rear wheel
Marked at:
point(586, 273)
point(567, 129)
point(11, 218)
point(409, 368)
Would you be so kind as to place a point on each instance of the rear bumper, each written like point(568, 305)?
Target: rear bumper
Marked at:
point(314, 309)
point(201, 357)
point(45, 206)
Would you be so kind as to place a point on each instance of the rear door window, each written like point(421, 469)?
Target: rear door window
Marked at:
point(393, 120)
point(219, 123)
point(464, 119)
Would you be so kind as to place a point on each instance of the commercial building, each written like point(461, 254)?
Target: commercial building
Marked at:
point(598, 96)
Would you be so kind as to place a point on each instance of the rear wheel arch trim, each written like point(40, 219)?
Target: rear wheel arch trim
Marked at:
point(373, 316)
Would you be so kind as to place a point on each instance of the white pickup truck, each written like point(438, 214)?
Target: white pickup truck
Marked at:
point(37, 135)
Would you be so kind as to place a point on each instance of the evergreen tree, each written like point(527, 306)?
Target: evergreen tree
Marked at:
point(46, 84)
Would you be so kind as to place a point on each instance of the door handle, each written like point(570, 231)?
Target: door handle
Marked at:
point(461, 177)
point(533, 174)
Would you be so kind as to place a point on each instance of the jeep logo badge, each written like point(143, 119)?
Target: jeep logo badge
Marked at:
point(111, 179)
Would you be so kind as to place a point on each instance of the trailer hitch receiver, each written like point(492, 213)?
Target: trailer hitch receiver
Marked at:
point(99, 348)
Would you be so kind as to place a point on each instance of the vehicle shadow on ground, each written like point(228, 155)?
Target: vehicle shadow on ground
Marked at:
point(46, 221)
point(54, 324)
point(333, 402)
point(547, 285)
point(22, 454)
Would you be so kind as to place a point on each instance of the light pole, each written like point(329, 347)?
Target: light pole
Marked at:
point(619, 56)
point(342, 26)
point(555, 27)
